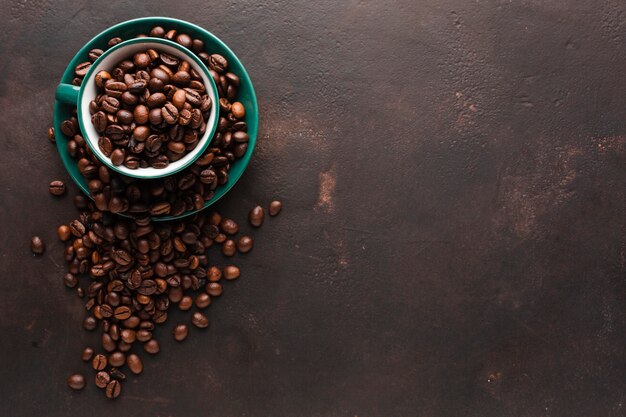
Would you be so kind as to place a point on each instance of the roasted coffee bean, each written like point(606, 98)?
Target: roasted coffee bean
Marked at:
point(229, 226)
point(275, 207)
point(99, 362)
point(169, 113)
point(203, 300)
point(256, 216)
point(76, 382)
point(82, 69)
point(90, 323)
point(151, 346)
point(70, 280)
point(37, 246)
point(113, 389)
point(245, 244)
point(102, 379)
point(180, 332)
point(181, 78)
point(95, 54)
point(199, 320)
point(218, 63)
point(87, 354)
point(114, 41)
point(57, 188)
point(157, 32)
point(229, 248)
point(238, 110)
point(185, 303)
point(99, 121)
point(51, 136)
point(231, 272)
point(108, 343)
point(117, 157)
point(134, 364)
point(214, 289)
point(64, 233)
point(117, 359)
point(122, 313)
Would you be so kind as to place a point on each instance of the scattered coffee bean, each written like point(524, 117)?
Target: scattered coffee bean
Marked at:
point(275, 207)
point(76, 381)
point(113, 389)
point(256, 216)
point(57, 188)
point(199, 320)
point(87, 354)
point(134, 364)
point(229, 248)
point(37, 246)
point(245, 244)
point(231, 272)
point(203, 300)
point(51, 136)
point(180, 332)
point(151, 346)
point(102, 379)
point(99, 362)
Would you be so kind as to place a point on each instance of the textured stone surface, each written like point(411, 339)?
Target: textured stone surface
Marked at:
point(453, 237)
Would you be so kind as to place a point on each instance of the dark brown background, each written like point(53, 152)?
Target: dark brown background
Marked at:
point(453, 239)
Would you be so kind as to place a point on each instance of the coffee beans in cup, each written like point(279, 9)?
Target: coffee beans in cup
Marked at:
point(151, 109)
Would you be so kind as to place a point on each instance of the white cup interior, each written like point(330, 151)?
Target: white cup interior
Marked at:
point(89, 93)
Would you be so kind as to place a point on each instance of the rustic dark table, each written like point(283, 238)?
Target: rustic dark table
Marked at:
point(453, 237)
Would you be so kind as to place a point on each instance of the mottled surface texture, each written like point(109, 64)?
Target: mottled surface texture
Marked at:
point(453, 236)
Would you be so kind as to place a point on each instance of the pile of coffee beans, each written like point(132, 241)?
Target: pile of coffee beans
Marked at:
point(151, 110)
point(189, 189)
point(132, 272)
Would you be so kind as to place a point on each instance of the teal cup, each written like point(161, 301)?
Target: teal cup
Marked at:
point(83, 95)
point(69, 97)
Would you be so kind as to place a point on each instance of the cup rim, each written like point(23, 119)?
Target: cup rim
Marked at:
point(89, 78)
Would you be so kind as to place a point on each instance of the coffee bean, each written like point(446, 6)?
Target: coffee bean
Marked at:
point(87, 354)
point(114, 41)
point(180, 332)
point(238, 110)
point(82, 69)
point(218, 63)
point(51, 136)
point(102, 379)
point(64, 233)
point(157, 32)
point(169, 113)
point(113, 389)
point(275, 207)
point(122, 313)
point(151, 346)
point(256, 216)
point(90, 323)
point(199, 320)
point(37, 246)
point(117, 157)
point(57, 188)
point(134, 364)
point(99, 121)
point(231, 272)
point(181, 78)
point(184, 40)
point(245, 244)
point(101, 78)
point(76, 382)
point(214, 289)
point(229, 226)
point(140, 114)
point(108, 343)
point(95, 54)
point(229, 248)
point(117, 359)
point(99, 362)
point(203, 300)
point(185, 303)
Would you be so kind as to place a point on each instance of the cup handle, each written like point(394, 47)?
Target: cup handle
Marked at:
point(67, 93)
